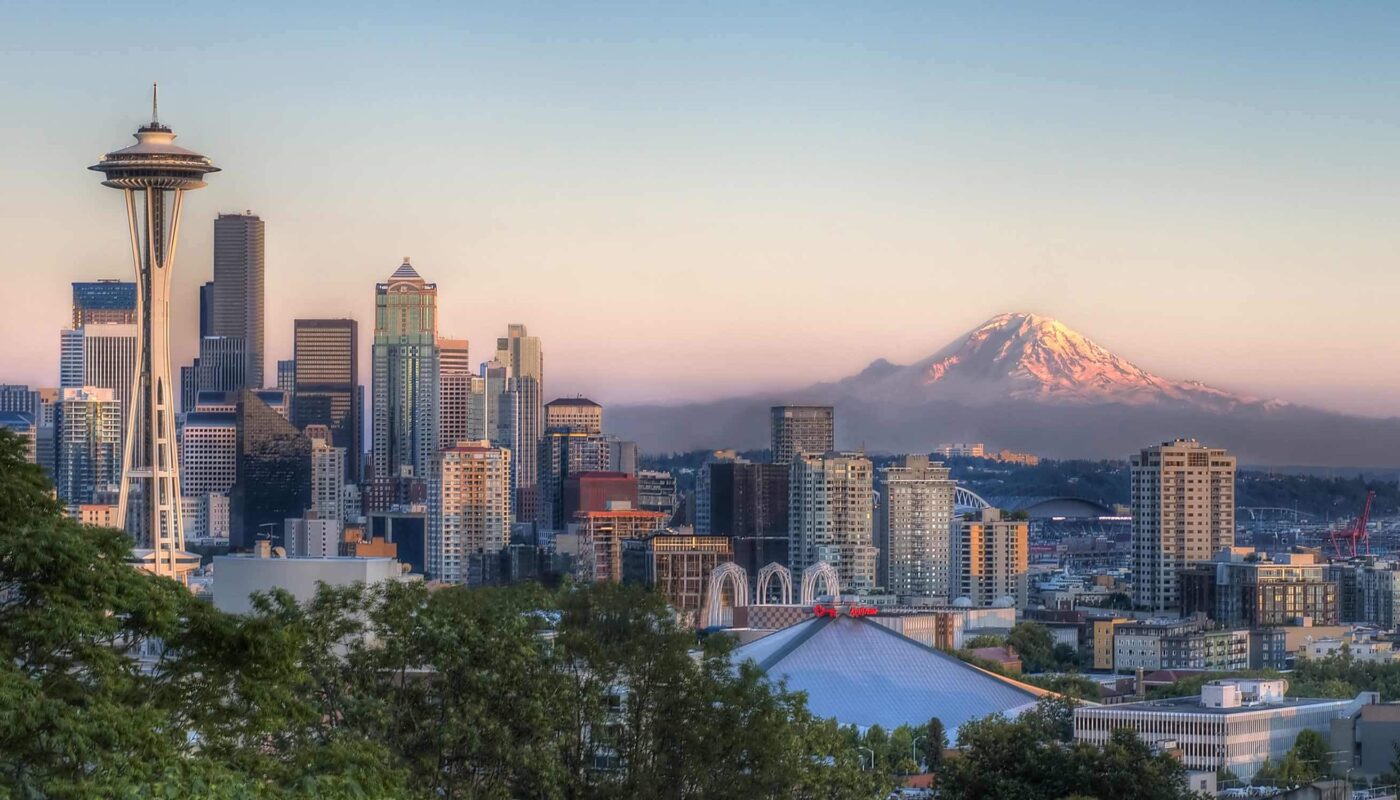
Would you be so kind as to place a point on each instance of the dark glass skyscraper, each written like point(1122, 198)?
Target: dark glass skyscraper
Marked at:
point(749, 504)
point(238, 288)
point(274, 474)
point(326, 379)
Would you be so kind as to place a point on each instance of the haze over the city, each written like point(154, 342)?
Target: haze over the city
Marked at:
point(707, 202)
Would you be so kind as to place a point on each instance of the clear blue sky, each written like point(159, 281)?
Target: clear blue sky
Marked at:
point(695, 201)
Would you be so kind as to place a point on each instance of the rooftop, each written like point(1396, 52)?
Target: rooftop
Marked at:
point(1192, 704)
point(863, 673)
point(573, 401)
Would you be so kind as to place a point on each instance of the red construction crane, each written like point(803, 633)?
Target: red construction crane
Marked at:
point(1354, 533)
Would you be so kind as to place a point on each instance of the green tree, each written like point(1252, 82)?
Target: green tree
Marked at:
point(1034, 644)
point(935, 744)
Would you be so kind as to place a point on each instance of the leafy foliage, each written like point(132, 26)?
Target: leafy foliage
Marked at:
point(390, 691)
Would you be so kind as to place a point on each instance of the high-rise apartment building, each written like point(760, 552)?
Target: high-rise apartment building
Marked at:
point(238, 288)
point(915, 529)
point(101, 355)
point(326, 384)
point(830, 509)
point(405, 359)
point(274, 474)
point(577, 414)
point(523, 359)
point(455, 381)
point(992, 559)
point(104, 302)
point(88, 427)
point(1183, 498)
point(469, 508)
point(801, 429)
point(327, 475)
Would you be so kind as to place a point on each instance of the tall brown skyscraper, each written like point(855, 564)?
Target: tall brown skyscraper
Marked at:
point(802, 429)
point(327, 377)
point(238, 287)
point(454, 392)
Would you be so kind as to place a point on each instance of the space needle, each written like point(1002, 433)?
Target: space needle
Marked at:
point(154, 175)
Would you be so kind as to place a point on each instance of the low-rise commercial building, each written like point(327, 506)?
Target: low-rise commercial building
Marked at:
point(1240, 587)
point(1233, 724)
point(1179, 644)
point(236, 577)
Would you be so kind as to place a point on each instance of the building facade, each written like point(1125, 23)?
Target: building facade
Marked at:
point(104, 302)
point(239, 245)
point(914, 533)
point(992, 559)
point(1183, 501)
point(454, 392)
point(469, 509)
point(1240, 587)
point(801, 429)
point(406, 399)
point(830, 510)
point(573, 414)
point(326, 384)
point(273, 474)
point(521, 359)
point(600, 540)
point(677, 566)
point(88, 427)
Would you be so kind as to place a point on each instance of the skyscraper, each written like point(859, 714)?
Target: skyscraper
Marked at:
point(327, 475)
point(914, 531)
point(21, 423)
point(326, 384)
point(274, 474)
point(523, 359)
point(801, 429)
point(1183, 496)
point(208, 453)
point(573, 414)
point(287, 376)
point(563, 454)
point(222, 365)
point(206, 309)
point(405, 360)
point(992, 559)
point(150, 173)
point(454, 392)
point(748, 503)
point(104, 302)
point(238, 288)
point(101, 355)
point(88, 423)
point(469, 508)
point(829, 516)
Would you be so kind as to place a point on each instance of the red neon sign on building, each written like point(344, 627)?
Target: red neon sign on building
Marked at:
point(820, 610)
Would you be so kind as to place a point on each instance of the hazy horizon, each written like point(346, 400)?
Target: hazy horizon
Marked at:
point(701, 203)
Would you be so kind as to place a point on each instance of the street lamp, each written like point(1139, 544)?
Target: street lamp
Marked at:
point(914, 749)
point(862, 758)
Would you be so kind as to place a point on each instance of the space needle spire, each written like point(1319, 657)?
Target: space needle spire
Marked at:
point(153, 175)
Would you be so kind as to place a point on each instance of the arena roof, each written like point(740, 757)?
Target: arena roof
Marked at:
point(865, 674)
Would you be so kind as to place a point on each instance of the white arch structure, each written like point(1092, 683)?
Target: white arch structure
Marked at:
point(819, 571)
point(765, 577)
point(966, 498)
point(738, 578)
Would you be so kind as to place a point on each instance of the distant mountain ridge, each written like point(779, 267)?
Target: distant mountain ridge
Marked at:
point(1030, 383)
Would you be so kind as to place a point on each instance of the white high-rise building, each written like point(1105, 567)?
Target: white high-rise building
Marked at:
point(101, 355)
point(1183, 496)
point(915, 531)
point(208, 453)
point(830, 505)
point(327, 475)
point(88, 432)
point(468, 508)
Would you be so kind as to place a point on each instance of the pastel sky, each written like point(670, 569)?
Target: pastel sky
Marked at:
point(695, 200)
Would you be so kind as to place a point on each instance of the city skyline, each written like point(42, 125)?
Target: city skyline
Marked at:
point(879, 158)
